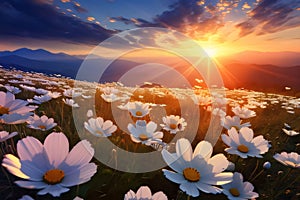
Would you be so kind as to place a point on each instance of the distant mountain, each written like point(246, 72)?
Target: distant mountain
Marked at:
point(38, 54)
point(281, 59)
point(64, 67)
point(236, 72)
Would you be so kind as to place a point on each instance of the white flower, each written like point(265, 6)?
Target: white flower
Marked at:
point(12, 89)
point(41, 123)
point(41, 99)
point(71, 93)
point(173, 123)
point(235, 121)
point(196, 171)
point(5, 135)
point(239, 190)
point(51, 167)
point(86, 96)
point(41, 91)
point(89, 113)
point(201, 100)
point(110, 94)
point(54, 95)
point(26, 197)
point(144, 132)
point(144, 193)
point(29, 88)
point(13, 111)
point(243, 144)
point(243, 112)
point(288, 159)
point(138, 109)
point(219, 112)
point(290, 132)
point(71, 102)
point(99, 127)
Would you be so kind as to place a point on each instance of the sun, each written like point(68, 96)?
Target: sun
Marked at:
point(211, 52)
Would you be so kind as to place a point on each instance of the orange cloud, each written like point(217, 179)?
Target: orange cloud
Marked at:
point(90, 19)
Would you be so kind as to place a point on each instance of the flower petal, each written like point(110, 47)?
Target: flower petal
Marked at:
point(57, 148)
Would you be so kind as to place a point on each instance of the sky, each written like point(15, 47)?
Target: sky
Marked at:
point(221, 27)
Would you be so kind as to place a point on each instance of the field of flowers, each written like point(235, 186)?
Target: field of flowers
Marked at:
point(52, 131)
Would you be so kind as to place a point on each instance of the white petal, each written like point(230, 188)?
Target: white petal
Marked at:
point(13, 165)
point(175, 177)
point(190, 189)
point(29, 147)
point(143, 192)
point(219, 162)
point(31, 184)
point(184, 149)
point(208, 188)
point(172, 161)
point(159, 196)
point(54, 190)
point(81, 154)
point(204, 149)
point(57, 148)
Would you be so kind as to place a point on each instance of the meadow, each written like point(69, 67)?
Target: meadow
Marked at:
point(274, 117)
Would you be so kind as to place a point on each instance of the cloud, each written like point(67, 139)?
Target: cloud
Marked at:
point(79, 8)
point(38, 20)
point(90, 19)
point(190, 17)
point(271, 16)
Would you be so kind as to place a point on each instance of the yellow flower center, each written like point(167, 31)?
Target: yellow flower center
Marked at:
point(138, 113)
point(242, 148)
point(191, 174)
point(173, 126)
point(42, 127)
point(143, 137)
point(236, 127)
point(54, 176)
point(234, 192)
point(3, 110)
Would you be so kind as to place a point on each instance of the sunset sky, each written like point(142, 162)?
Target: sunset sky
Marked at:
point(221, 27)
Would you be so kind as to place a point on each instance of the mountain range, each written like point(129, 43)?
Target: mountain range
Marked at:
point(268, 71)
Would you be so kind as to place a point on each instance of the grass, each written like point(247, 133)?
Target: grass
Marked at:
point(278, 182)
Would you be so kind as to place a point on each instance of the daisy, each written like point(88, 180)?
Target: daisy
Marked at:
point(41, 91)
point(243, 112)
point(196, 170)
point(288, 159)
point(41, 99)
point(13, 111)
point(290, 132)
point(5, 135)
point(71, 102)
point(235, 122)
point(54, 95)
point(71, 93)
point(41, 123)
point(145, 133)
point(144, 193)
point(243, 144)
point(12, 89)
point(99, 127)
point(173, 124)
point(138, 109)
point(29, 88)
point(26, 197)
point(219, 112)
point(239, 190)
point(51, 167)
